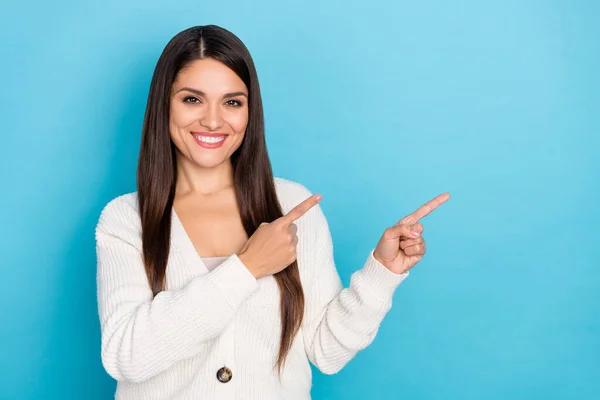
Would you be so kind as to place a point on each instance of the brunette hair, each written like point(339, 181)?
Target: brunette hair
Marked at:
point(253, 176)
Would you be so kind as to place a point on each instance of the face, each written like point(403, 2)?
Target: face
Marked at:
point(208, 113)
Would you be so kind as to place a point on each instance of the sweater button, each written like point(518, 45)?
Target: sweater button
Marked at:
point(224, 375)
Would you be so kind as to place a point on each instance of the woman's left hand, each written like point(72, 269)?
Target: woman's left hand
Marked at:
point(402, 246)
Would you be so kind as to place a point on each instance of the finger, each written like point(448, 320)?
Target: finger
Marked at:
point(404, 244)
point(398, 231)
point(402, 230)
point(428, 207)
point(301, 209)
point(293, 229)
point(417, 228)
point(416, 250)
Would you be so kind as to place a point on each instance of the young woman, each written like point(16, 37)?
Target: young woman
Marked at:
point(215, 279)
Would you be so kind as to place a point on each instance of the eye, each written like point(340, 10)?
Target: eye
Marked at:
point(191, 100)
point(234, 103)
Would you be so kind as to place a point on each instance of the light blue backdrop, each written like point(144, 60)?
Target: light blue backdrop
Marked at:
point(380, 106)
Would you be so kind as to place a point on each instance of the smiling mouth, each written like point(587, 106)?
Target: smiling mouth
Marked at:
point(209, 140)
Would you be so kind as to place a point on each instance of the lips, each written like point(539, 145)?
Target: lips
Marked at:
point(209, 140)
point(209, 134)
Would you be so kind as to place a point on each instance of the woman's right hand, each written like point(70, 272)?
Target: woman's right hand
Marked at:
point(272, 247)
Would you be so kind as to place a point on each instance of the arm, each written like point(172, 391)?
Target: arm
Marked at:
point(142, 336)
point(338, 322)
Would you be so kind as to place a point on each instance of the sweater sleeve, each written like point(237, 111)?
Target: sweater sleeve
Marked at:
point(143, 335)
point(339, 322)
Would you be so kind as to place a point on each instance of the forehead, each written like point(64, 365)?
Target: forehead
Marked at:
point(209, 76)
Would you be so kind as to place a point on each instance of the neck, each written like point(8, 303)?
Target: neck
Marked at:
point(193, 179)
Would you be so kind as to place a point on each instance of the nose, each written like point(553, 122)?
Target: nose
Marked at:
point(212, 119)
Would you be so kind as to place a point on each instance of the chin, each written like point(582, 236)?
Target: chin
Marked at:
point(208, 162)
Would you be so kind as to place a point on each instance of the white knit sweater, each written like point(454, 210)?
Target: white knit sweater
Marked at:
point(171, 346)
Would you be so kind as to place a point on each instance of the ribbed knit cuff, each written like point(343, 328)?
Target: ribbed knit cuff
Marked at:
point(234, 280)
point(379, 278)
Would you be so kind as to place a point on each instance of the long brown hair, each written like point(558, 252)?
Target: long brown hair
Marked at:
point(253, 176)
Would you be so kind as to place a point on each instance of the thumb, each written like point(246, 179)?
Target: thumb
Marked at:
point(398, 231)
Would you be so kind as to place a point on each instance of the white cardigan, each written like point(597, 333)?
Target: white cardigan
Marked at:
point(171, 346)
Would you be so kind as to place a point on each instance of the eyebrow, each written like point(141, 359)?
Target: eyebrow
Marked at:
point(202, 94)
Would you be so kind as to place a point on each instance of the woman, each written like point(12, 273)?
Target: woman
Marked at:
point(215, 279)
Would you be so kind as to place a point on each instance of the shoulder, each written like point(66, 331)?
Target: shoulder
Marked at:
point(290, 193)
point(120, 215)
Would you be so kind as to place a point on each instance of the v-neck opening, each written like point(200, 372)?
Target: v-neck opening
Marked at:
point(184, 244)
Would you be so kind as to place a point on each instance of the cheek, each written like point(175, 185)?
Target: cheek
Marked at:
point(239, 122)
point(180, 117)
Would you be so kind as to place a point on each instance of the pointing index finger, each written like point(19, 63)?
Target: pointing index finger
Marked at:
point(428, 207)
point(301, 209)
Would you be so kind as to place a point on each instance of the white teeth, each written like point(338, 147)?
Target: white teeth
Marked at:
point(210, 139)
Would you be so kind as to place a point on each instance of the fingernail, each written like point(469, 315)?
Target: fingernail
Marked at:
point(414, 233)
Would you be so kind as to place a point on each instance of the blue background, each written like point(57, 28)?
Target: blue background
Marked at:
point(380, 106)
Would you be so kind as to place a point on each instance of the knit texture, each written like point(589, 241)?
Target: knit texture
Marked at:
point(172, 345)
